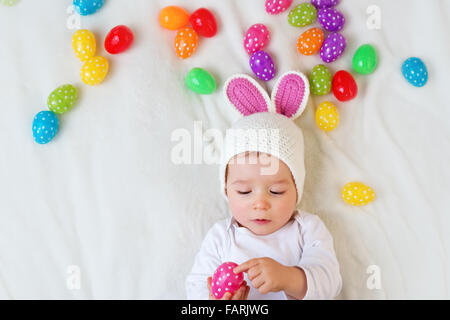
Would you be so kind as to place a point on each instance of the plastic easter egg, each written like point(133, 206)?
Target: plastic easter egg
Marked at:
point(344, 86)
point(204, 22)
point(186, 42)
point(277, 6)
point(357, 194)
point(224, 280)
point(333, 47)
point(319, 4)
point(94, 71)
point(87, 7)
point(331, 19)
point(62, 99)
point(45, 127)
point(200, 81)
point(84, 44)
point(415, 71)
point(256, 38)
point(327, 116)
point(365, 59)
point(310, 41)
point(262, 65)
point(8, 3)
point(302, 15)
point(173, 17)
point(320, 80)
point(119, 39)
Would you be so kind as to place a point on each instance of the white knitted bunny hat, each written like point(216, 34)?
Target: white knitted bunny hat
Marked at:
point(266, 125)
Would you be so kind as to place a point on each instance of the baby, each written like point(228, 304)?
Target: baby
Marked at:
point(285, 253)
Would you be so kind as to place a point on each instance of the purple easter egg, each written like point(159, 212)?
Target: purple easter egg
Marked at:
point(262, 65)
point(319, 4)
point(332, 47)
point(331, 19)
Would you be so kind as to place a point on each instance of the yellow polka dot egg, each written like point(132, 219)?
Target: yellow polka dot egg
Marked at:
point(94, 70)
point(327, 116)
point(83, 44)
point(357, 194)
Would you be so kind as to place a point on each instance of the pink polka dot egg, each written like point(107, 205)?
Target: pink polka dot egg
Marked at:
point(224, 280)
point(256, 38)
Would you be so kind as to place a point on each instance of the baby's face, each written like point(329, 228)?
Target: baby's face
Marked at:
point(261, 199)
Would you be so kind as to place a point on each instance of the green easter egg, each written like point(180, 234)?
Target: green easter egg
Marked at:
point(365, 59)
point(302, 15)
point(320, 80)
point(62, 99)
point(200, 81)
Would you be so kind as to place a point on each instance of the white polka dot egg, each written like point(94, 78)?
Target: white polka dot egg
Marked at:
point(84, 44)
point(256, 38)
point(94, 70)
point(224, 280)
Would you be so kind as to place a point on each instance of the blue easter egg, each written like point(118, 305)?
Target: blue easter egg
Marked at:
point(45, 126)
point(87, 7)
point(415, 71)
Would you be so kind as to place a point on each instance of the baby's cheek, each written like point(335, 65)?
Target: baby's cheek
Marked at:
point(238, 207)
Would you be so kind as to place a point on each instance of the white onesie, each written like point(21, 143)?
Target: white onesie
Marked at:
point(304, 242)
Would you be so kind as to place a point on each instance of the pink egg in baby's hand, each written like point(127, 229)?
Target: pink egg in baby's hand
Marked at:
point(225, 280)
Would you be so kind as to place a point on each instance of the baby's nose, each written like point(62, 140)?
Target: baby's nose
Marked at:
point(261, 204)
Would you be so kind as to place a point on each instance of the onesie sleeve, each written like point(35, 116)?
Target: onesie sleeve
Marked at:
point(206, 262)
point(319, 260)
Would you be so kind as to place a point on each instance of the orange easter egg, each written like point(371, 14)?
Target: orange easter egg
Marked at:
point(186, 42)
point(310, 41)
point(173, 17)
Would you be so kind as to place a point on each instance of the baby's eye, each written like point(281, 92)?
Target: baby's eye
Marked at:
point(277, 192)
point(244, 192)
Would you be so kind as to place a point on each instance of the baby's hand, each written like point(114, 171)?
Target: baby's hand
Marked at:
point(265, 274)
point(241, 294)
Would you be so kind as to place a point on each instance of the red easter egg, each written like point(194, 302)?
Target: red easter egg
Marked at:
point(204, 22)
point(119, 39)
point(344, 86)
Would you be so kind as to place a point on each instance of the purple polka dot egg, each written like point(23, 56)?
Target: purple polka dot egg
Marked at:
point(319, 4)
point(332, 47)
point(331, 19)
point(225, 280)
point(256, 38)
point(262, 65)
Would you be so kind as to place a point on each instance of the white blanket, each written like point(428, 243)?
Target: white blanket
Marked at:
point(103, 212)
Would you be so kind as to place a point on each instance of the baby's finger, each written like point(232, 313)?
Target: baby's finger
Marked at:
point(226, 296)
point(258, 281)
point(208, 282)
point(247, 290)
point(238, 295)
point(243, 267)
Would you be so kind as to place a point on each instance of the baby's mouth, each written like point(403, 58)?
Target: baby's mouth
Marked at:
point(261, 221)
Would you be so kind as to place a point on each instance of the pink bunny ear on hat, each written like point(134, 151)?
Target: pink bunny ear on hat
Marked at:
point(290, 94)
point(246, 95)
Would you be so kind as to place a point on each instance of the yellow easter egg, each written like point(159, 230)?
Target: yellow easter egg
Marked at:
point(94, 70)
point(83, 44)
point(357, 194)
point(327, 116)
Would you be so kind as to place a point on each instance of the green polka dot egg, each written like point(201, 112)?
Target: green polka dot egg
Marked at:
point(62, 99)
point(320, 80)
point(302, 15)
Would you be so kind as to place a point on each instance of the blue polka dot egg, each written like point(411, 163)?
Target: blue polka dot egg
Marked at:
point(415, 71)
point(87, 7)
point(45, 126)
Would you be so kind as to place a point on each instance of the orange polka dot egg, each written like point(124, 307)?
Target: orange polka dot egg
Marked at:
point(94, 71)
point(357, 194)
point(310, 41)
point(186, 42)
